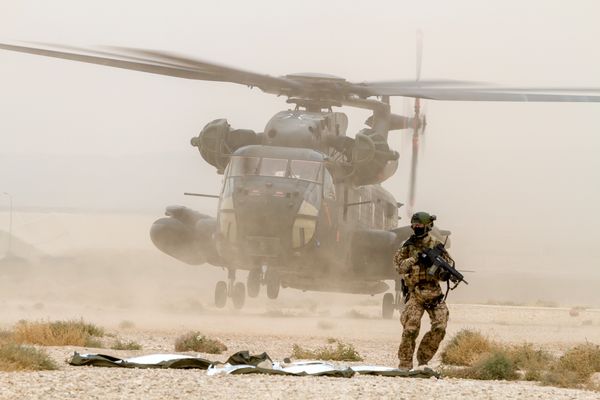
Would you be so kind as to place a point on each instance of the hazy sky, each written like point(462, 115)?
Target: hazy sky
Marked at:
point(517, 183)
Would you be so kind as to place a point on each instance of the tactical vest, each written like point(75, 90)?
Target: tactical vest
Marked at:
point(424, 287)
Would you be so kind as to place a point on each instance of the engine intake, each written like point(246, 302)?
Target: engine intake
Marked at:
point(217, 141)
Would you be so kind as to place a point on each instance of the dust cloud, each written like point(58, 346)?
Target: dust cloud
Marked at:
point(87, 272)
point(103, 267)
point(92, 155)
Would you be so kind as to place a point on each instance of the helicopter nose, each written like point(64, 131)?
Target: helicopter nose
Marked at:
point(266, 214)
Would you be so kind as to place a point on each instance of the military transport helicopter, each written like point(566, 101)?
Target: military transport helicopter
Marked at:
point(301, 205)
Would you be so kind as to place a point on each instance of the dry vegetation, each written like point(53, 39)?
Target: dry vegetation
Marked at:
point(14, 356)
point(17, 357)
point(323, 324)
point(196, 341)
point(58, 333)
point(340, 352)
point(130, 345)
point(575, 367)
point(511, 303)
point(126, 324)
point(477, 357)
point(466, 347)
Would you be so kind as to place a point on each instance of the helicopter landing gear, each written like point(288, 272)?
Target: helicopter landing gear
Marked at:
point(273, 283)
point(387, 307)
point(233, 289)
point(238, 295)
point(393, 301)
point(263, 276)
point(255, 278)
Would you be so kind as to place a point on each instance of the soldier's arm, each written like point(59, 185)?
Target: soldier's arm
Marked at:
point(403, 260)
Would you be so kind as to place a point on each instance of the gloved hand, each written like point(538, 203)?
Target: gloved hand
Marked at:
point(407, 264)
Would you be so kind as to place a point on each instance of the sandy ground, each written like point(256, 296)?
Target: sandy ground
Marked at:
point(271, 326)
point(138, 294)
point(251, 329)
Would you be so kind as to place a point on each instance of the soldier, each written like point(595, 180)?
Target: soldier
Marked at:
point(424, 294)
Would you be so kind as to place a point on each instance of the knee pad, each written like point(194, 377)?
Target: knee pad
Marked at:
point(411, 333)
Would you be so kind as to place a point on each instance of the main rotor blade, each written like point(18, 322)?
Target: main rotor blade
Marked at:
point(161, 63)
point(169, 64)
point(475, 93)
point(419, 53)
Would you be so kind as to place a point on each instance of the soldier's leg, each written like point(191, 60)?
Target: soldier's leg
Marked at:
point(411, 323)
point(432, 339)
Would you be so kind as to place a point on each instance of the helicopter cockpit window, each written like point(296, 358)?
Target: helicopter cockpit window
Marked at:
point(241, 166)
point(273, 167)
point(305, 170)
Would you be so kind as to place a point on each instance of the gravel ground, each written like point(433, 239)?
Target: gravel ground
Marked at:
point(375, 339)
point(151, 299)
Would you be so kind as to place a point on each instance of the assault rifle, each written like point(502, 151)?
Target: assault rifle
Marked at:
point(433, 259)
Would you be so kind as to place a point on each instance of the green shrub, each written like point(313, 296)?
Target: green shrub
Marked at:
point(493, 366)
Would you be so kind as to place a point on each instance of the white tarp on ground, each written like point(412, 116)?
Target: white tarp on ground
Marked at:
point(263, 365)
point(297, 368)
point(317, 368)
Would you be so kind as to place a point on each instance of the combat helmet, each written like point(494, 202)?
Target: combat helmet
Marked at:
point(421, 223)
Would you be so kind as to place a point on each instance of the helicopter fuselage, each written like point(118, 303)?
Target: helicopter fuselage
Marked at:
point(289, 207)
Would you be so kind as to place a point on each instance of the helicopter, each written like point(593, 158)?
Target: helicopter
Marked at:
point(301, 205)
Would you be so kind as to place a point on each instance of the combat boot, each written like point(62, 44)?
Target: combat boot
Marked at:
point(405, 366)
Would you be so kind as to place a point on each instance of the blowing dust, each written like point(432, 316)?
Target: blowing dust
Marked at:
point(103, 267)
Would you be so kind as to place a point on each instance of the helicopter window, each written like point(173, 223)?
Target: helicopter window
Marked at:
point(305, 170)
point(241, 166)
point(273, 167)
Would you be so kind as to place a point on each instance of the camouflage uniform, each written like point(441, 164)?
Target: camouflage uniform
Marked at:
point(425, 294)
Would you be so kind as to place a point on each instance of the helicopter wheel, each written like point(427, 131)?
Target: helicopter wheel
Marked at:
point(387, 307)
point(221, 294)
point(239, 295)
point(273, 284)
point(253, 282)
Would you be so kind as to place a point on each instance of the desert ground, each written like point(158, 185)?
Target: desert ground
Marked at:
point(138, 294)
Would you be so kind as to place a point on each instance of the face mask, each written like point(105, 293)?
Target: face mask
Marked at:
point(419, 231)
